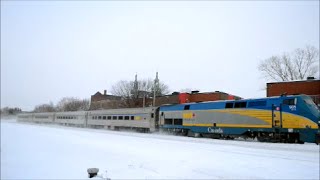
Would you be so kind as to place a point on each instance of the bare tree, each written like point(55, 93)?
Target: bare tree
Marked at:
point(122, 88)
point(133, 92)
point(298, 65)
point(45, 108)
point(73, 104)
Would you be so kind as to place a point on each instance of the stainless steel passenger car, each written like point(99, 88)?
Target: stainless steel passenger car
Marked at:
point(37, 117)
point(25, 117)
point(74, 118)
point(43, 118)
point(142, 119)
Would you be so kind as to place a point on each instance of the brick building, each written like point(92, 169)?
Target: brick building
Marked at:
point(195, 96)
point(180, 98)
point(309, 87)
point(105, 101)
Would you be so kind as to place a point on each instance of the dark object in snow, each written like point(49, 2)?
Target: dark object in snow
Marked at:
point(92, 172)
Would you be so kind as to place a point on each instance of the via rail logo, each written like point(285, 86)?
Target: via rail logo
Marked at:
point(293, 107)
point(215, 130)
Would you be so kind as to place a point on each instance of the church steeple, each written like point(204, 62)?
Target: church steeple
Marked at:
point(155, 89)
point(135, 86)
point(157, 79)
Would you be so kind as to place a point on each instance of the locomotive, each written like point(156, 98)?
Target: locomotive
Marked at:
point(292, 119)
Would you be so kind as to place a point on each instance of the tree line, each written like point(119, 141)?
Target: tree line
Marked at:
point(129, 93)
point(10, 111)
point(65, 104)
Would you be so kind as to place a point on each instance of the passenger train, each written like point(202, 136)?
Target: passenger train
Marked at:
point(293, 119)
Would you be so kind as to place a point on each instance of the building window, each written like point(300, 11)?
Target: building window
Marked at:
point(114, 117)
point(126, 118)
point(132, 117)
point(109, 117)
point(104, 117)
point(120, 117)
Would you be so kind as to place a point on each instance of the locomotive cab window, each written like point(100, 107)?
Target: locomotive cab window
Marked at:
point(229, 105)
point(240, 105)
point(177, 121)
point(289, 102)
point(168, 121)
point(186, 107)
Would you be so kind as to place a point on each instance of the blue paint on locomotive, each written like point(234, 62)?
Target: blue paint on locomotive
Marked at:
point(304, 106)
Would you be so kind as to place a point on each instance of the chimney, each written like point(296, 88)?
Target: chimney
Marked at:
point(105, 92)
point(310, 78)
point(195, 92)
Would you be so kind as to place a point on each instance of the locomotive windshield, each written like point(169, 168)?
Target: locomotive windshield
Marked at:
point(310, 102)
point(314, 109)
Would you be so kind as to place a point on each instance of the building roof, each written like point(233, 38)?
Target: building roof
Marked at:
point(295, 81)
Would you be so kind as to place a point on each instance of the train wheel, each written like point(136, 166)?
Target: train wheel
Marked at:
point(190, 134)
point(196, 135)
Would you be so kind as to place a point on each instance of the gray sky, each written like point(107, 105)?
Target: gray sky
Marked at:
point(51, 50)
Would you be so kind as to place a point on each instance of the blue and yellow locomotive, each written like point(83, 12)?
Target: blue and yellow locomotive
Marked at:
point(292, 118)
point(277, 119)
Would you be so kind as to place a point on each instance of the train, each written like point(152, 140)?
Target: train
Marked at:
point(287, 119)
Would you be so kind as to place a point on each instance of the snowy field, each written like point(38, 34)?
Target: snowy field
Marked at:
point(30, 151)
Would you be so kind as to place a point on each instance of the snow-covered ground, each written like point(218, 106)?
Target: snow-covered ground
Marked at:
point(30, 151)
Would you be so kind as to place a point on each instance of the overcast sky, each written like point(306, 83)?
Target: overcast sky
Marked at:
point(51, 50)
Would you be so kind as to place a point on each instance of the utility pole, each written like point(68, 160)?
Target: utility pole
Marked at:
point(144, 99)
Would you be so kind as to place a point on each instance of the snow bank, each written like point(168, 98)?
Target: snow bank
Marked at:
point(54, 152)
